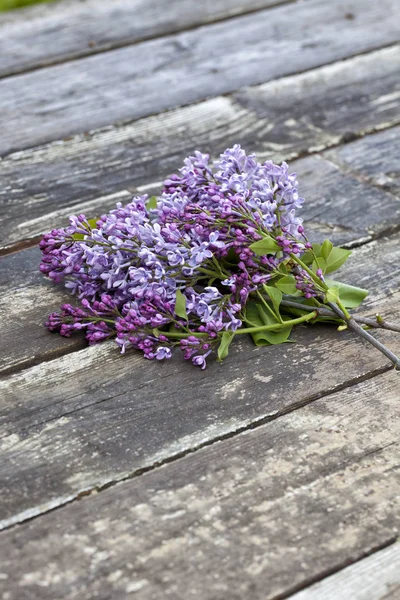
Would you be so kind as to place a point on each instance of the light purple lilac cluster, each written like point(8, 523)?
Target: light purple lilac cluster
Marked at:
point(128, 267)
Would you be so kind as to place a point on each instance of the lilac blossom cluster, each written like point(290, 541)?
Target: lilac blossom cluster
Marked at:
point(178, 274)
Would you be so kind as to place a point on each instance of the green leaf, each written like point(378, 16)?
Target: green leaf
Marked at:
point(223, 348)
point(92, 225)
point(332, 294)
point(308, 256)
point(329, 257)
point(326, 249)
point(349, 295)
point(283, 268)
point(151, 203)
point(287, 285)
point(275, 295)
point(257, 316)
point(336, 258)
point(180, 305)
point(265, 246)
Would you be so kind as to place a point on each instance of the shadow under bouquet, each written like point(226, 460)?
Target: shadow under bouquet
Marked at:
point(221, 253)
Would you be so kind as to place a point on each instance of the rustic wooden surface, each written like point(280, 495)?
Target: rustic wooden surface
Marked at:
point(52, 33)
point(145, 78)
point(44, 185)
point(274, 475)
point(374, 578)
point(256, 515)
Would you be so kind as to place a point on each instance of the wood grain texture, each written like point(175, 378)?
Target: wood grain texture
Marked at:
point(337, 206)
point(374, 578)
point(26, 298)
point(135, 81)
point(61, 31)
point(255, 516)
point(41, 187)
point(375, 157)
point(94, 417)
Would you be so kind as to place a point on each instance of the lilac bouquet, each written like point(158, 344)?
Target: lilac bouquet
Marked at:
point(221, 253)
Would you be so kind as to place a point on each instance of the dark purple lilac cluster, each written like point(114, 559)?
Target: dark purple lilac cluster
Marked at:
point(181, 272)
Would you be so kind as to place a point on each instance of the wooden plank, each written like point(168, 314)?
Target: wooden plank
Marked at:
point(155, 75)
point(255, 516)
point(340, 206)
point(44, 35)
point(374, 578)
point(26, 298)
point(337, 205)
point(374, 158)
point(41, 186)
point(95, 417)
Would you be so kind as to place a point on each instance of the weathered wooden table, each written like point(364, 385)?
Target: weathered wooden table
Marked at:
point(277, 473)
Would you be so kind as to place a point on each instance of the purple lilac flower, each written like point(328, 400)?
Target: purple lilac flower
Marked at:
point(127, 266)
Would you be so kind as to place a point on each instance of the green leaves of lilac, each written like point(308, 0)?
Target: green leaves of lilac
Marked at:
point(287, 285)
point(151, 203)
point(92, 225)
point(276, 297)
point(350, 295)
point(257, 316)
point(180, 305)
point(332, 295)
point(326, 256)
point(265, 246)
point(223, 348)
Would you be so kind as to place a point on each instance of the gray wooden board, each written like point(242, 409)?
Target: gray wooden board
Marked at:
point(255, 516)
point(94, 417)
point(376, 577)
point(42, 186)
point(337, 206)
point(26, 298)
point(43, 35)
point(156, 75)
point(375, 158)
